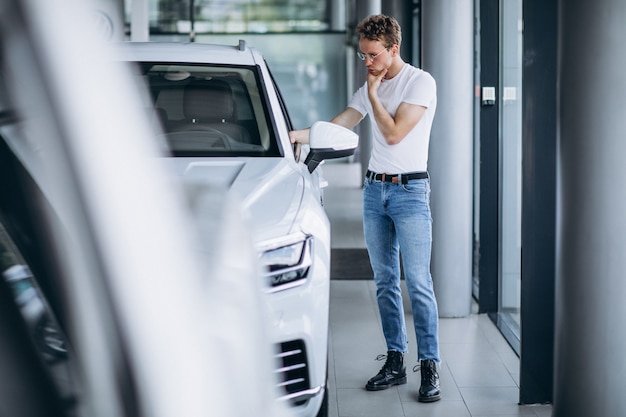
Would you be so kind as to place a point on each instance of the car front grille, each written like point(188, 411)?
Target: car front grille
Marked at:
point(293, 372)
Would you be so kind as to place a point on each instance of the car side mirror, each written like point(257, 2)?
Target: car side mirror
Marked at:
point(329, 141)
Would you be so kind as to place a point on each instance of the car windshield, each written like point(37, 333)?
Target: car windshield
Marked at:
point(211, 110)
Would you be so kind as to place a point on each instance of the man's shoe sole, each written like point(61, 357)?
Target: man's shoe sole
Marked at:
point(399, 381)
point(430, 399)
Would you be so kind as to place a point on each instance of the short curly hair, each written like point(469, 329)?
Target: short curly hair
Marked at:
point(381, 28)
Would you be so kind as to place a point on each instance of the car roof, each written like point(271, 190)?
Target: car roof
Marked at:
point(201, 53)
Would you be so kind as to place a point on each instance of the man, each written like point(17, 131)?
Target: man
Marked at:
point(401, 101)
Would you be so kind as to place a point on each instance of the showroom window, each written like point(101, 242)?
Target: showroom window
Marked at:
point(236, 16)
point(498, 178)
point(510, 133)
point(309, 70)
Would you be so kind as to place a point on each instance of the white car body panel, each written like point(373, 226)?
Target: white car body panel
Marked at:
point(282, 196)
point(268, 188)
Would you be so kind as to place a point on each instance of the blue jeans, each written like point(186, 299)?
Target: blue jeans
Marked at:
point(396, 218)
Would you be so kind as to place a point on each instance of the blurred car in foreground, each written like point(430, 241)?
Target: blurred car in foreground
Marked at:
point(226, 125)
point(161, 317)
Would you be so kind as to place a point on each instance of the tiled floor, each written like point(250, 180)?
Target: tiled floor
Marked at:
point(479, 371)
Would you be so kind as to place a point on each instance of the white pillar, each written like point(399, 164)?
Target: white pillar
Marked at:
point(364, 8)
point(337, 15)
point(447, 45)
point(139, 21)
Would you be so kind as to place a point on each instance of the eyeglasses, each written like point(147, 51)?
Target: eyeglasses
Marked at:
point(371, 57)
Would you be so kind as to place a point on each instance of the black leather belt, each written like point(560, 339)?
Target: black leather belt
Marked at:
point(394, 177)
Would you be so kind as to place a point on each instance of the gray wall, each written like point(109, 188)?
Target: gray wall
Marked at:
point(590, 369)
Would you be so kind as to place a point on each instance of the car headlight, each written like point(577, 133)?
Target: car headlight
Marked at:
point(287, 261)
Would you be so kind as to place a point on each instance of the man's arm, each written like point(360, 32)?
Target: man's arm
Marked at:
point(347, 118)
point(394, 129)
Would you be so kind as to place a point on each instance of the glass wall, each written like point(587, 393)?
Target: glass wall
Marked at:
point(310, 68)
point(476, 187)
point(236, 16)
point(510, 138)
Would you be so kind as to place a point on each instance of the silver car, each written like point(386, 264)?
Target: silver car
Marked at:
point(161, 316)
point(225, 124)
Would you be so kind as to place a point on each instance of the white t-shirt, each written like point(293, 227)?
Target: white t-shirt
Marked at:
point(411, 85)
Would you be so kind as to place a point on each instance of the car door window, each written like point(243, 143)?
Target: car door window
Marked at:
point(208, 110)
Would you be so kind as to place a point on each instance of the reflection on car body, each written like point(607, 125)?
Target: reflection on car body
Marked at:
point(44, 329)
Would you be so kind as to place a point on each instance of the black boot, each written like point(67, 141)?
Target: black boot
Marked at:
point(392, 373)
point(429, 390)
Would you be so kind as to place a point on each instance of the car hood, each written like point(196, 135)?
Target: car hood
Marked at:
point(269, 188)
